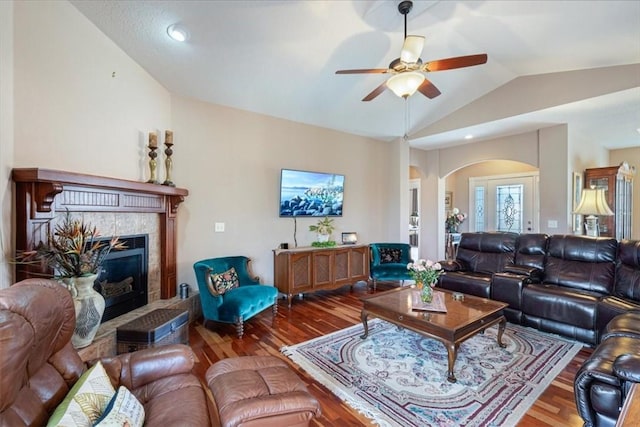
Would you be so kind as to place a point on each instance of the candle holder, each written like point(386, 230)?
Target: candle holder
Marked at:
point(168, 162)
point(153, 165)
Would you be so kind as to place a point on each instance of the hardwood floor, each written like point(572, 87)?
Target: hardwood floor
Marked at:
point(325, 312)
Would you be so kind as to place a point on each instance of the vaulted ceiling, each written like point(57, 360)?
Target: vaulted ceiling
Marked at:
point(550, 62)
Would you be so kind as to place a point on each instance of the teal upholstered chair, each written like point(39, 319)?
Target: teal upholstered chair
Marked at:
point(238, 304)
point(388, 261)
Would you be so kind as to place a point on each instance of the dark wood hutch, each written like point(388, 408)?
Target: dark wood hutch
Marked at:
point(41, 193)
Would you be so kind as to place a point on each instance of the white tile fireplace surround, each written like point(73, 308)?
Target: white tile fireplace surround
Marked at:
point(114, 206)
point(126, 224)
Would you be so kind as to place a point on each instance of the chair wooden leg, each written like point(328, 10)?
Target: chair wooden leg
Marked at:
point(239, 326)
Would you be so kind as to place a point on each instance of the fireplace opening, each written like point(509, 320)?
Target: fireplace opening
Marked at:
point(122, 280)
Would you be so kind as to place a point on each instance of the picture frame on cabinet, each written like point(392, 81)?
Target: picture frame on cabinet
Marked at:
point(448, 201)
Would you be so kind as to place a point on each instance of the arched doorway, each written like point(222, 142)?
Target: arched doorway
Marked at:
point(495, 195)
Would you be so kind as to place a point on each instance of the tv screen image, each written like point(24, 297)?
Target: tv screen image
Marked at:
point(305, 193)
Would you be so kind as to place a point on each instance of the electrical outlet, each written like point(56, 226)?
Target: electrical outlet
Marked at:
point(219, 227)
point(552, 223)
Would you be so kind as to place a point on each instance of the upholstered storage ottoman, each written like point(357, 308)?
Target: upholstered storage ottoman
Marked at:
point(158, 327)
point(260, 391)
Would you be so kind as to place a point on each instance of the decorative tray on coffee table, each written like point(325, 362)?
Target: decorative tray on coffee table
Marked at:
point(437, 304)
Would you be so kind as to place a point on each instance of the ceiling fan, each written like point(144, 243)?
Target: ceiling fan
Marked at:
point(408, 70)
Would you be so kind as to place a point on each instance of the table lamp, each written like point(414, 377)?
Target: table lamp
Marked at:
point(592, 203)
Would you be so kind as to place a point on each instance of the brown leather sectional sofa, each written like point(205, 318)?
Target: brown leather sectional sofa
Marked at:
point(39, 366)
point(583, 288)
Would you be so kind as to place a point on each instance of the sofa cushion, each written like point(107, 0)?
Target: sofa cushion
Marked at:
point(86, 401)
point(581, 262)
point(627, 284)
point(123, 410)
point(390, 255)
point(467, 282)
point(560, 304)
point(531, 250)
point(222, 282)
point(486, 252)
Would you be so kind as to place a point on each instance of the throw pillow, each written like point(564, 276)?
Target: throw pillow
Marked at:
point(390, 255)
point(222, 282)
point(123, 410)
point(86, 400)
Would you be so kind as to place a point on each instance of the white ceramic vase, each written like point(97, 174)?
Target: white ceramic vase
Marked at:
point(89, 305)
point(322, 238)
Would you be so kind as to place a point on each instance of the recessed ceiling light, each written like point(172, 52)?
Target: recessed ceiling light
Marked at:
point(468, 136)
point(177, 32)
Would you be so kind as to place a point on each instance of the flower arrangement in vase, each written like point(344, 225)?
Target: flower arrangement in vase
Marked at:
point(75, 254)
point(454, 220)
point(425, 273)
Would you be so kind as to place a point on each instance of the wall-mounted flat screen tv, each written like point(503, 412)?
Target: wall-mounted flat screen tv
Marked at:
point(304, 193)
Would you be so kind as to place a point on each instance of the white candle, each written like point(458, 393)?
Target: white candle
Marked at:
point(153, 140)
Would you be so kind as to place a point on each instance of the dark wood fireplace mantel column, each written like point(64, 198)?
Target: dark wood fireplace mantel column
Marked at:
point(41, 193)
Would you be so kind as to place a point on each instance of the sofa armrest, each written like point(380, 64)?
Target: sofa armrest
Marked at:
point(453, 265)
point(533, 273)
point(142, 367)
point(627, 367)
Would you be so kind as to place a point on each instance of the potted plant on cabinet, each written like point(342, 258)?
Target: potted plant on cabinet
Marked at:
point(324, 227)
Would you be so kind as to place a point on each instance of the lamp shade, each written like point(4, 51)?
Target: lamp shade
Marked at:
point(411, 49)
point(405, 84)
point(593, 202)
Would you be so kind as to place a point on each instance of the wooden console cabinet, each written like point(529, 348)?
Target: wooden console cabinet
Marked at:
point(303, 270)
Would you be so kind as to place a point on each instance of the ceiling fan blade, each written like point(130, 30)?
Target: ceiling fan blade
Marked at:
point(364, 71)
point(428, 89)
point(457, 62)
point(377, 91)
point(411, 49)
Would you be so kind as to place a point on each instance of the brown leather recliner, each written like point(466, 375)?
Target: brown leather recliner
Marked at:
point(38, 365)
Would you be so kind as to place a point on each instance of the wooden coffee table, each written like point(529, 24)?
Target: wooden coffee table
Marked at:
point(464, 318)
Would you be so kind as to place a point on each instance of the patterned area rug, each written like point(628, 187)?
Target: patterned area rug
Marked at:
point(397, 377)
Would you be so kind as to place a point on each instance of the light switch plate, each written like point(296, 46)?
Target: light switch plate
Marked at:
point(552, 223)
point(219, 227)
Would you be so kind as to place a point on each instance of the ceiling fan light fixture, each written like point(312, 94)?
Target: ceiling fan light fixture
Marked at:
point(405, 84)
point(411, 49)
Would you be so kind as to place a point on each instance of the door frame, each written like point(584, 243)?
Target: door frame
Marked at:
point(535, 215)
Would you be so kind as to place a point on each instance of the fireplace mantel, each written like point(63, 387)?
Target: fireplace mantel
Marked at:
point(40, 193)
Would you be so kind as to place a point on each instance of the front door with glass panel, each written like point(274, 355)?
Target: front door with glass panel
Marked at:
point(505, 203)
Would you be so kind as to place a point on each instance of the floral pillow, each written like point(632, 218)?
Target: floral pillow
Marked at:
point(390, 255)
point(85, 401)
point(123, 410)
point(219, 283)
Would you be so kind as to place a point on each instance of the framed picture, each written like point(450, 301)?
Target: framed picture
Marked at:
point(577, 194)
point(448, 201)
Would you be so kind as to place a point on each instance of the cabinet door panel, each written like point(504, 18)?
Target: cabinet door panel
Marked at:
point(342, 273)
point(301, 278)
point(322, 269)
point(359, 263)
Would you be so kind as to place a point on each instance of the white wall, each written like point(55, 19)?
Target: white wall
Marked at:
point(230, 160)
point(545, 149)
point(6, 139)
point(72, 113)
point(81, 104)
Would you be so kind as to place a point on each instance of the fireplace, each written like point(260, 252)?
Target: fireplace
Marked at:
point(122, 279)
